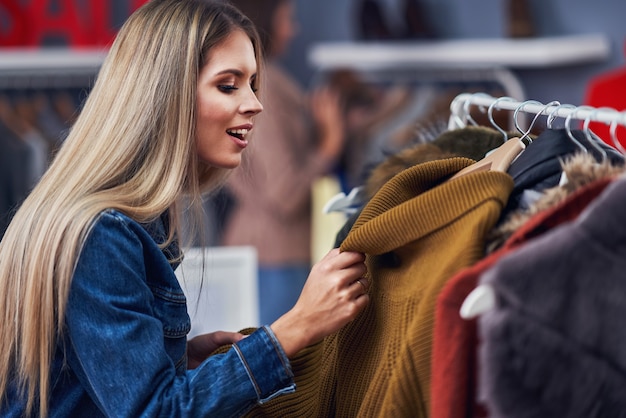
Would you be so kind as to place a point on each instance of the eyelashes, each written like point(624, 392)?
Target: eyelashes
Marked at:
point(227, 88)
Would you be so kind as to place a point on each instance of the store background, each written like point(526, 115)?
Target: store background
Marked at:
point(334, 20)
point(78, 24)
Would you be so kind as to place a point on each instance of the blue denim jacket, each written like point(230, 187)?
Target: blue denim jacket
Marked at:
point(124, 348)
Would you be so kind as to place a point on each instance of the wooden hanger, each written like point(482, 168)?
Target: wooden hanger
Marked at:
point(499, 159)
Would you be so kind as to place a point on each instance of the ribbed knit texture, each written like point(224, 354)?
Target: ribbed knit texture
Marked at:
point(379, 365)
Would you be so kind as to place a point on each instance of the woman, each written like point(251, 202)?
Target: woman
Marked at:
point(302, 141)
point(94, 322)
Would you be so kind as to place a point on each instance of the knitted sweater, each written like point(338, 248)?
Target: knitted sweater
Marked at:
point(417, 231)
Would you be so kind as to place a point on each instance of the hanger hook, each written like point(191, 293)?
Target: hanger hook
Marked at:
point(468, 103)
point(455, 108)
point(526, 134)
point(568, 129)
point(588, 131)
point(555, 113)
point(516, 113)
point(613, 130)
point(493, 105)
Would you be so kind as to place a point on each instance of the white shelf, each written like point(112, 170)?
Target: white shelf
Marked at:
point(466, 53)
point(50, 60)
point(49, 67)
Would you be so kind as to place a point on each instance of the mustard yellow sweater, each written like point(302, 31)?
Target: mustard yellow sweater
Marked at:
point(417, 231)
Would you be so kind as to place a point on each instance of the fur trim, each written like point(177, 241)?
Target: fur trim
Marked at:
point(533, 371)
point(581, 169)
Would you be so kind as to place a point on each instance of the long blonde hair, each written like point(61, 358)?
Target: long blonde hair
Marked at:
point(132, 149)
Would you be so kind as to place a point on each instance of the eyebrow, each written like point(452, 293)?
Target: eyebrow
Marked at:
point(235, 72)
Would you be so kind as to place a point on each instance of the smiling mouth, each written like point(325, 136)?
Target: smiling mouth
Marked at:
point(238, 133)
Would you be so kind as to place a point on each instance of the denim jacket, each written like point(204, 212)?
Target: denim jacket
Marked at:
point(123, 352)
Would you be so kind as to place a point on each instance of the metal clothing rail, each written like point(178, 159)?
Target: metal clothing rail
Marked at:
point(459, 116)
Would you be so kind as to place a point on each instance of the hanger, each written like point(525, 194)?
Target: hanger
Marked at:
point(466, 107)
point(588, 131)
point(505, 136)
point(554, 114)
point(347, 204)
point(480, 300)
point(501, 158)
point(455, 120)
point(613, 132)
point(526, 134)
point(568, 129)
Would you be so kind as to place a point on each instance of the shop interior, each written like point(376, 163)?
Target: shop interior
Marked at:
point(426, 68)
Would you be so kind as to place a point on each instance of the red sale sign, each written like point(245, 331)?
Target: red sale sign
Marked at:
point(75, 23)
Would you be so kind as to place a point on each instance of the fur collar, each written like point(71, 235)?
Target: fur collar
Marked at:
point(581, 169)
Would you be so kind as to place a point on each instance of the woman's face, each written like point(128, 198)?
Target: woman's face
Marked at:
point(226, 102)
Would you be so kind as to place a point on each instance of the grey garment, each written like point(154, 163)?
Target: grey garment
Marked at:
point(38, 163)
point(554, 345)
point(15, 158)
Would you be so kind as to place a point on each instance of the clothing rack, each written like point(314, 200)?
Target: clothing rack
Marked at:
point(459, 116)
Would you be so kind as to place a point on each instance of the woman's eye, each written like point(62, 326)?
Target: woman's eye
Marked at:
point(227, 88)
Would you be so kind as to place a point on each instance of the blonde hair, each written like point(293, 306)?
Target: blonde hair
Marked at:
point(131, 149)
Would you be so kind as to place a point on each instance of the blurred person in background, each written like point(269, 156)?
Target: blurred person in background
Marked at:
point(298, 139)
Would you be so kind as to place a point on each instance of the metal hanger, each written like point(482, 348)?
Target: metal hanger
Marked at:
point(613, 131)
point(500, 158)
point(526, 134)
point(588, 132)
point(554, 113)
point(568, 129)
point(455, 119)
point(505, 136)
point(468, 103)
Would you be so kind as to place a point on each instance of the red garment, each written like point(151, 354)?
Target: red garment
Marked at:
point(454, 364)
point(608, 90)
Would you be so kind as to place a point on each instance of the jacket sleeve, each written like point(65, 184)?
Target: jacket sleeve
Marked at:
point(117, 344)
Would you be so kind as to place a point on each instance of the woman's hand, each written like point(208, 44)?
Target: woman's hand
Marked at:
point(333, 295)
point(201, 346)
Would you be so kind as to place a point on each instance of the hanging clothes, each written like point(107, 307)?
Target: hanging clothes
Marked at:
point(539, 167)
point(553, 344)
point(411, 354)
point(455, 340)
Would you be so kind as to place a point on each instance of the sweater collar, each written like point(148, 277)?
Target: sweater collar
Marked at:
point(418, 201)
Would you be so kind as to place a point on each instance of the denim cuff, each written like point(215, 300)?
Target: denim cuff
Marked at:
point(266, 363)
